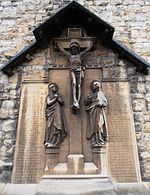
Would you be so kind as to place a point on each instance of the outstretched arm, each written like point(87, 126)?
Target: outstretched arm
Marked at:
point(63, 50)
point(88, 48)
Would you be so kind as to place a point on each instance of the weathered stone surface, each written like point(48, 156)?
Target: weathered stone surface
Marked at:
point(11, 189)
point(128, 17)
point(114, 72)
point(147, 86)
point(5, 169)
point(148, 97)
point(147, 127)
point(2, 186)
point(141, 87)
point(8, 125)
point(139, 117)
point(76, 187)
point(145, 155)
point(138, 105)
point(138, 126)
point(128, 189)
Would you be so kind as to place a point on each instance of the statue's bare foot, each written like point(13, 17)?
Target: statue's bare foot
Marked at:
point(75, 109)
point(76, 105)
point(46, 143)
point(49, 145)
point(102, 142)
point(96, 145)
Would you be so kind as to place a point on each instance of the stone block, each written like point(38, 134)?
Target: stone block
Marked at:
point(8, 10)
point(138, 126)
point(101, 3)
point(141, 88)
point(147, 127)
point(131, 189)
point(5, 168)
point(75, 187)
point(75, 163)
point(138, 136)
point(147, 86)
point(8, 22)
point(138, 105)
point(138, 116)
point(7, 113)
point(148, 97)
point(147, 116)
point(8, 142)
point(20, 189)
point(90, 168)
point(2, 87)
point(6, 3)
point(2, 186)
point(114, 72)
point(8, 104)
point(61, 168)
point(145, 155)
point(148, 106)
point(116, 2)
point(137, 96)
point(8, 125)
point(131, 71)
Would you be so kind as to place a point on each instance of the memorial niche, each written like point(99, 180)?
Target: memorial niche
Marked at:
point(62, 158)
point(75, 155)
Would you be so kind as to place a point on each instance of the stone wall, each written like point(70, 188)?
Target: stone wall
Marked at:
point(132, 27)
point(140, 95)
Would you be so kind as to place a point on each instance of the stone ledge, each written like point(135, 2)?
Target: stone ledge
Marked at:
point(132, 188)
point(75, 187)
point(2, 186)
point(19, 189)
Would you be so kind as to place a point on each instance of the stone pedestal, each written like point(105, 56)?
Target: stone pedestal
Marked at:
point(84, 186)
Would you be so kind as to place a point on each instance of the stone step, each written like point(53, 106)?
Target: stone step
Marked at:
point(90, 168)
point(61, 168)
point(76, 187)
point(75, 164)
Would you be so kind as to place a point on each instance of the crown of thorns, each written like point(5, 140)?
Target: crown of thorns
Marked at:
point(74, 44)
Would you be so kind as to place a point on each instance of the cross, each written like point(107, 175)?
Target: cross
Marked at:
point(77, 46)
point(75, 34)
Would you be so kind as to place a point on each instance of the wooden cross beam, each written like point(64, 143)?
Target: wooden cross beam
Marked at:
point(75, 35)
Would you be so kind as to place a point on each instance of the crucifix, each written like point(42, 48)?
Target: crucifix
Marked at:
point(74, 47)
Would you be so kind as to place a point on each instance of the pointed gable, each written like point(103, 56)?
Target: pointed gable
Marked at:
point(74, 15)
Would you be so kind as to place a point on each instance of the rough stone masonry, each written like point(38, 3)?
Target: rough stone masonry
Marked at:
point(18, 18)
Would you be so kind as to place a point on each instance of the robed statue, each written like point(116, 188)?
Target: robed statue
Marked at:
point(76, 70)
point(56, 129)
point(95, 106)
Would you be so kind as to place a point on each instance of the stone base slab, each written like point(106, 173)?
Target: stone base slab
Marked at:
point(19, 189)
point(76, 187)
point(78, 176)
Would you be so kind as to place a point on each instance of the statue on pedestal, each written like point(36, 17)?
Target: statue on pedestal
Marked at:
point(56, 129)
point(76, 70)
point(95, 106)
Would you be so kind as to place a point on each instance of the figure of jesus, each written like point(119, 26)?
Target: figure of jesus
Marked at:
point(76, 70)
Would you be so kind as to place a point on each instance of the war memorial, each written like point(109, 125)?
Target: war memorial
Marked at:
point(75, 110)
